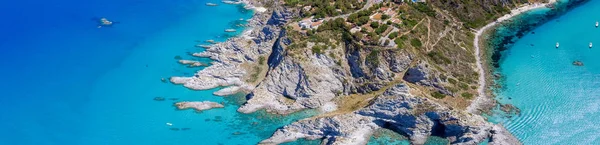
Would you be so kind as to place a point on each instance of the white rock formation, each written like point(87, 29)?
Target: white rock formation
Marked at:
point(198, 106)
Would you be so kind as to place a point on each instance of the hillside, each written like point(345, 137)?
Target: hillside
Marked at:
point(409, 67)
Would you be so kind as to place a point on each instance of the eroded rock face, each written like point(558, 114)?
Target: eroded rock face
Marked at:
point(292, 86)
point(421, 74)
point(398, 110)
point(229, 57)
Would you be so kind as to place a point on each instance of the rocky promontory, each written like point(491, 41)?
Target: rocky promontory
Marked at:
point(396, 109)
point(418, 85)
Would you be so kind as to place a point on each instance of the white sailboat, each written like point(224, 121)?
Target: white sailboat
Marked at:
point(590, 44)
point(169, 124)
point(596, 24)
point(557, 44)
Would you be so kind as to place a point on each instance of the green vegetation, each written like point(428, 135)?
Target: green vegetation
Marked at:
point(393, 35)
point(325, 8)
point(439, 58)
point(359, 18)
point(452, 81)
point(374, 25)
point(416, 43)
point(438, 95)
point(399, 42)
point(385, 17)
point(373, 58)
point(256, 70)
point(261, 60)
point(467, 95)
point(463, 86)
point(423, 7)
point(317, 49)
point(335, 25)
point(381, 29)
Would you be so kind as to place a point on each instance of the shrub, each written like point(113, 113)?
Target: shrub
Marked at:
point(452, 81)
point(467, 95)
point(384, 17)
point(374, 25)
point(317, 49)
point(261, 60)
point(381, 29)
point(438, 95)
point(399, 43)
point(373, 58)
point(416, 43)
point(463, 86)
point(393, 35)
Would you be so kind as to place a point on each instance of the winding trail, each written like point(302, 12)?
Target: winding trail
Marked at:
point(482, 99)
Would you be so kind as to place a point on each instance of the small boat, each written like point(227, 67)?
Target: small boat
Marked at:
point(557, 44)
point(590, 44)
point(241, 19)
point(596, 24)
point(104, 22)
point(211, 4)
point(230, 30)
point(211, 41)
point(169, 124)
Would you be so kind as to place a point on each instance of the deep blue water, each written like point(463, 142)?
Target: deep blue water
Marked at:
point(67, 82)
point(559, 102)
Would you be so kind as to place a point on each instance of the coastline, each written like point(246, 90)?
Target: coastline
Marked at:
point(482, 101)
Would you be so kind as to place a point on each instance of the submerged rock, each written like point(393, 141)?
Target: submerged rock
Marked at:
point(191, 63)
point(198, 106)
point(577, 63)
point(159, 98)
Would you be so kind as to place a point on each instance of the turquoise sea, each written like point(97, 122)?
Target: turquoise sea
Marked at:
point(559, 102)
point(67, 82)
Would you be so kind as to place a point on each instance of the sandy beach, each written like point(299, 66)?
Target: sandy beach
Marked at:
point(481, 100)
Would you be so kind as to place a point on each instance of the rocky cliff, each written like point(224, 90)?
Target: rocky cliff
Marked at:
point(398, 110)
point(359, 85)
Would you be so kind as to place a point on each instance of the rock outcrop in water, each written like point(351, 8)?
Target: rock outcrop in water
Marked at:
point(198, 106)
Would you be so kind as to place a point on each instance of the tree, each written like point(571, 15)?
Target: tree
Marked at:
point(374, 25)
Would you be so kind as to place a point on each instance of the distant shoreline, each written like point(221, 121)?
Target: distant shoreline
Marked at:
point(482, 101)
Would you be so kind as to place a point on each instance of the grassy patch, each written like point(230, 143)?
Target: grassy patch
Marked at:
point(416, 43)
point(256, 70)
point(261, 60)
point(438, 95)
point(467, 95)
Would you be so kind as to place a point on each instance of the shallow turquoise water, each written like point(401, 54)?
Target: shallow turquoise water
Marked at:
point(68, 82)
point(559, 102)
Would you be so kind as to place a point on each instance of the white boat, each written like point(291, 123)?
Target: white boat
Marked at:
point(230, 30)
point(211, 41)
point(590, 44)
point(169, 124)
point(557, 44)
point(211, 4)
point(596, 24)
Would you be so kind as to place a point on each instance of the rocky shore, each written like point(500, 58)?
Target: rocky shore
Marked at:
point(278, 79)
point(198, 106)
point(483, 102)
point(398, 110)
